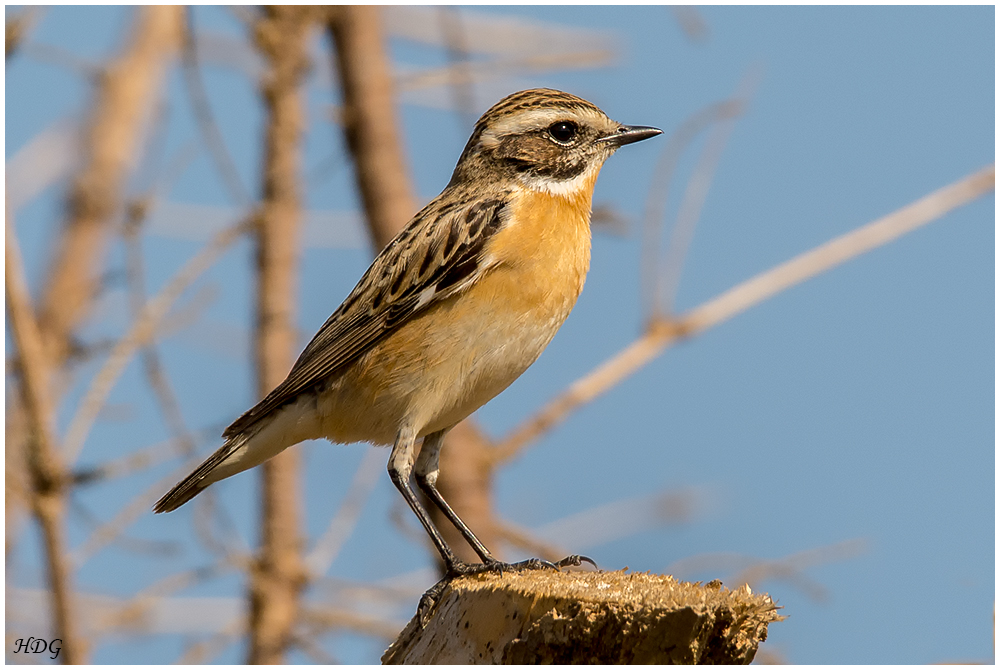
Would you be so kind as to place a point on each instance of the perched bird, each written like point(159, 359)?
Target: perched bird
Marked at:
point(451, 312)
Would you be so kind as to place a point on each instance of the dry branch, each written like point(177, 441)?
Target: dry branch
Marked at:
point(17, 28)
point(479, 71)
point(127, 514)
point(586, 617)
point(122, 102)
point(156, 375)
point(461, 82)
point(207, 127)
point(495, 34)
point(326, 548)
point(694, 198)
point(278, 576)
point(691, 22)
point(790, 569)
point(46, 470)
point(369, 120)
point(664, 333)
point(659, 194)
point(140, 332)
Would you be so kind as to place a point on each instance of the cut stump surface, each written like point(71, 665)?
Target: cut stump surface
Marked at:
point(586, 617)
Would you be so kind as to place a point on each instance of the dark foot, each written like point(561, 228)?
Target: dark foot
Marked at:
point(429, 600)
point(575, 560)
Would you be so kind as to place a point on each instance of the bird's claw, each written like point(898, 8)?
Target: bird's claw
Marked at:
point(429, 601)
point(575, 560)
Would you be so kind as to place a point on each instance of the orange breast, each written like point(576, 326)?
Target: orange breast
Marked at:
point(544, 252)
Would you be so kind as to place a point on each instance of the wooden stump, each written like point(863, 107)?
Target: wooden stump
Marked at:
point(545, 616)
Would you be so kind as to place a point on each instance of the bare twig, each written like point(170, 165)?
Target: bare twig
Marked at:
point(326, 549)
point(349, 592)
point(45, 467)
point(140, 332)
point(369, 119)
point(214, 527)
point(48, 157)
point(137, 546)
point(17, 28)
point(837, 251)
point(753, 571)
point(621, 518)
point(17, 481)
point(336, 618)
point(128, 514)
point(139, 605)
point(156, 376)
point(307, 645)
point(694, 199)
point(790, 568)
point(458, 53)
point(282, 36)
point(84, 68)
point(691, 22)
point(138, 460)
point(662, 334)
point(207, 126)
point(123, 98)
point(204, 651)
point(603, 523)
point(659, 193)
point(528, 540)
point(493, 33)
point(478, 71)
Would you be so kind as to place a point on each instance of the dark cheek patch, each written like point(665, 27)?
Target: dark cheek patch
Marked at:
point(562, 170)
point(539, 156)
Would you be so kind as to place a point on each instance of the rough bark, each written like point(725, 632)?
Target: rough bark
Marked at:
point(278, 576)
point(587, 617)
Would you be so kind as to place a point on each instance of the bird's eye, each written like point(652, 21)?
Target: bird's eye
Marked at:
point(563, 132)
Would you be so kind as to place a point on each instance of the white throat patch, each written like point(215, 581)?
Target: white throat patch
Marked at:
point(563, 188)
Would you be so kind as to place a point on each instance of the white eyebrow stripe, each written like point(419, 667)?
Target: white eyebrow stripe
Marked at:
point(535, 119)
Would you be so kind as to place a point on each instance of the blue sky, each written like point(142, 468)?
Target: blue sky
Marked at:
point(855, 410)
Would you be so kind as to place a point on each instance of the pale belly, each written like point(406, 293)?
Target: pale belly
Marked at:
point(442, 366)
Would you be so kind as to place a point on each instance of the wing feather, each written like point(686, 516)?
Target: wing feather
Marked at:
point(438, 255)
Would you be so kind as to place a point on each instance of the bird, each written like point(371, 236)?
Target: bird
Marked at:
point(450, 313)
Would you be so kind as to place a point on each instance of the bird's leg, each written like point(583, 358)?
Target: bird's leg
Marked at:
point(426, 475)
point(400, 467)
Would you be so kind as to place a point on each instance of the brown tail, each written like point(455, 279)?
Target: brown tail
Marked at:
point(195, 482)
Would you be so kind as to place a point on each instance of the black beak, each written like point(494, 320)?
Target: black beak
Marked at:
point(630, 134)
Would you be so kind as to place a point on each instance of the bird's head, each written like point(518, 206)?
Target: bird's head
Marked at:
point(546, 139)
